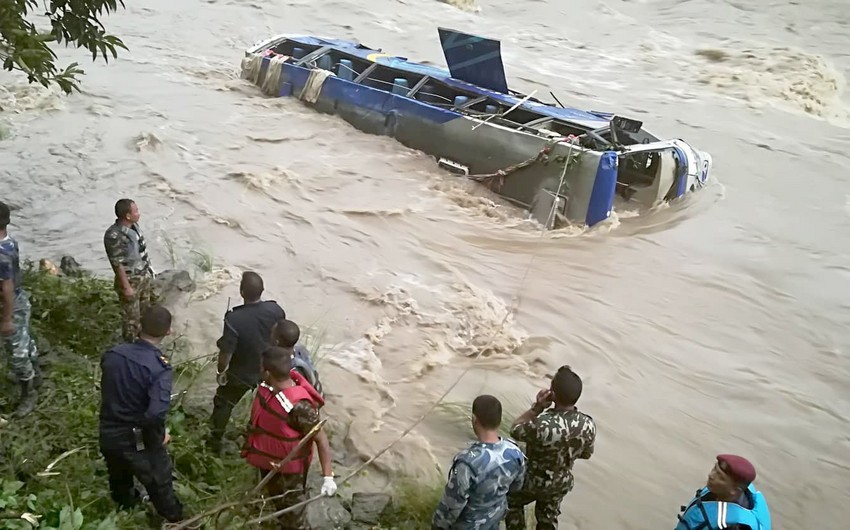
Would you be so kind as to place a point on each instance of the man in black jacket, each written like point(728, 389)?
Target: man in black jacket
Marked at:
point(246, 334)
point(135, 390)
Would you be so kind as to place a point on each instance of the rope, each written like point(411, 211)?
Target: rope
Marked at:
point(511, 310)
point(550, 218)
point(489, 178)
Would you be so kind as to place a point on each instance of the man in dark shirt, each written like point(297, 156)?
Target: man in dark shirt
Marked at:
point(135, 390)
point(246, 335)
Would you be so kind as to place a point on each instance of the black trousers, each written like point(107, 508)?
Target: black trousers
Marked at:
point(226, 397)
point(151, 466)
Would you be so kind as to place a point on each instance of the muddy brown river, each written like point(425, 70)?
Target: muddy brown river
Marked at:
point(717, 324)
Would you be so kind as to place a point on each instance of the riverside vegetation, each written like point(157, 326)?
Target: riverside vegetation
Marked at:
point(51, 473)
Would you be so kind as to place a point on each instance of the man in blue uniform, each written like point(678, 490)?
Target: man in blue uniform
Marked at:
point(481, 476)
point(728, 500)
point(246, 335)
point(285, 334)
point(15, 312)
point(135, 390)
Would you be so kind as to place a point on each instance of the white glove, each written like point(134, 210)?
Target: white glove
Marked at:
point(328, 486)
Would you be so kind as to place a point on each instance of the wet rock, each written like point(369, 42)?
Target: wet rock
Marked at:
point(368, 507)
point(327, 513)
point(345, 452)
point(171, 283)
point(45, 265)
point(175, 280)
point(70, 267)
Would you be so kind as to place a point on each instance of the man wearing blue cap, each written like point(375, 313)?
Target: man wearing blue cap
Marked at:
point(728, 501)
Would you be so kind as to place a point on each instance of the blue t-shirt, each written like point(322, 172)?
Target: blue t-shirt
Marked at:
point(10, 262)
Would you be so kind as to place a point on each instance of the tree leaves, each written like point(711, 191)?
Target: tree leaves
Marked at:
point(69, 520)
point(76, 22)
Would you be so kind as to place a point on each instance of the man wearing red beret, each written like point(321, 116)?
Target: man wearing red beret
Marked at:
point(729, 500)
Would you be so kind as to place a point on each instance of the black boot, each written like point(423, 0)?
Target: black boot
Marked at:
point(29, 397)
point(37, 379)
point(213, 444)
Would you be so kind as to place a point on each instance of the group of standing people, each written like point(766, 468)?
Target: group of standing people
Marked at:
point(491, 480)
point(258, 349)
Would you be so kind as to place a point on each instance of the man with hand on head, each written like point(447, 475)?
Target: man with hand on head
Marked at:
point(554, 439)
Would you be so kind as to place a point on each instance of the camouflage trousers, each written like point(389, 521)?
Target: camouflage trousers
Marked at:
point(133, 307)
point(547, 508)
point(20, 345)
point(294, 486)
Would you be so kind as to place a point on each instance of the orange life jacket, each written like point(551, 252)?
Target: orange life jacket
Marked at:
point(270, 437)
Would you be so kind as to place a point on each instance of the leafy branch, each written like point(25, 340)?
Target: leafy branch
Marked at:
point(24, 47)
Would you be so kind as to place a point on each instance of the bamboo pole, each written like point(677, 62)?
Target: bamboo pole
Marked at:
point(221, 507)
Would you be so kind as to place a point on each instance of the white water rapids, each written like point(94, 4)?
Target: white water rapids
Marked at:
point(718, 324)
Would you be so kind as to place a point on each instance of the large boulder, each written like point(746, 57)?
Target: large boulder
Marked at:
point(70, 267)
point(327, 513)
point(368, 507)
point(170, 284)
point(45, 265)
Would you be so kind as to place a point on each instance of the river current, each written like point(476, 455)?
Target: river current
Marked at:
point(715, 325)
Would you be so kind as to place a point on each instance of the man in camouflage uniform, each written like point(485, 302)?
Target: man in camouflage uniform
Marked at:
point(481, 475)
point(128, 256)
point(15, 320)
point(554, 439)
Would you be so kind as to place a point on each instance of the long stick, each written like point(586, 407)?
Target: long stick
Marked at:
point(307, 438)
point(216, 509)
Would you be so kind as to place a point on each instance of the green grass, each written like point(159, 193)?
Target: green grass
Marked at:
point(204, 260)
point(413, 504)
point(459, 414)
point(415, 501)
point(314, 338)
point(199, 256)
